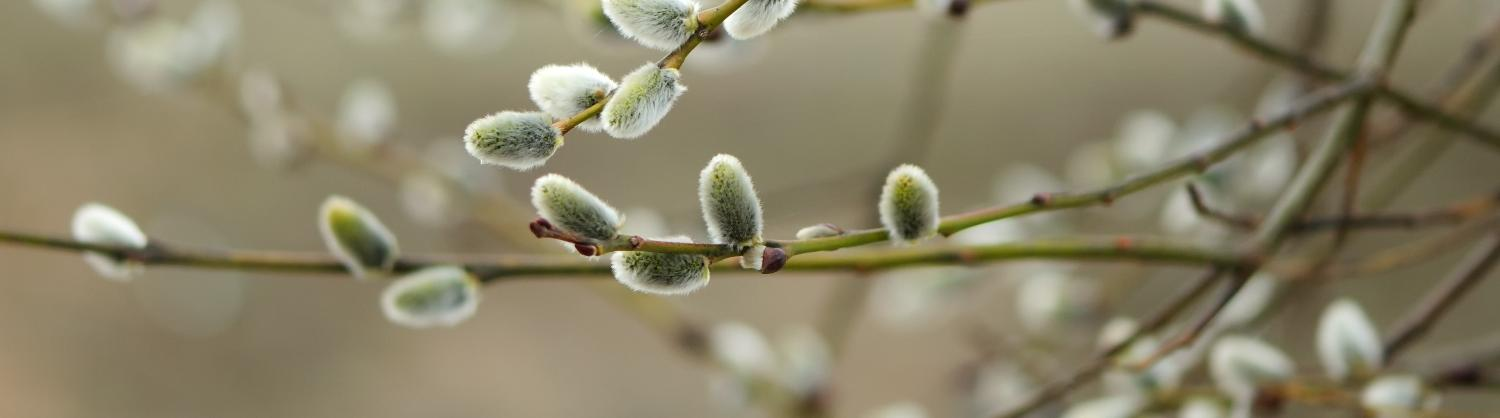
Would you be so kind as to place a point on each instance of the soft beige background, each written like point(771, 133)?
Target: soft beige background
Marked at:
point(820, 101)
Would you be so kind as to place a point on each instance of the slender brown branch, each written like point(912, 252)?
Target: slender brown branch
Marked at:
point(1452, 214)
point(1187, 336)
point(1386, 259)
point(1105, 357)
point(1307, 65)
point(1474, 268)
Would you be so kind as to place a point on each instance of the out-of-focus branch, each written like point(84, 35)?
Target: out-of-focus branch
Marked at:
point(1307, 65)
point(1474, 268)
point(1102, 360)
point(1452, 214)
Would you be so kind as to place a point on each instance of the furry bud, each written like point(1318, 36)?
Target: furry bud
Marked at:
point(367, 115)
point(819, 231)
point(519, 140)
point(1240, 365)
point(758, 16)
point(356, 237)
point(741, 348)
point(657, 24)
point(1398, 396)
point(566, 90)
point(662, 274)
point(98, 224)
point(1110, 19)
point(909, 204)
point(431, 297)
point(569, 206)
point(1201, 407)
point(1242, 16)
point(1116, 406)
point(643, 99)
point(1348, 343)
point(730, 207)
point(753, 258)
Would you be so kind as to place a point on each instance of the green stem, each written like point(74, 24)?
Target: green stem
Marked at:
point(491, 268)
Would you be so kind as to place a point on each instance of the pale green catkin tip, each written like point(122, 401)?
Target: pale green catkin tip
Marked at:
point(909, 204)
point(818, 231)
point(356, 237)
point(431, 297)
point(572, 208)
point(644, 97)
point(662, 274)
point(518, 140)
point(730, 207)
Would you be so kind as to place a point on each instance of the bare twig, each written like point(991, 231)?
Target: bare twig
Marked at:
point(1474, 268)
point(1452, 214)
point(1101, 360)
point(1307, 65)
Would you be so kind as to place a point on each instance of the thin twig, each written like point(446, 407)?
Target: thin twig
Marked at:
point(1307, 65)
point(1451, 214)
point(1187, 336)
point(1102, 359)
point(1474, 268)
point(1255, 130)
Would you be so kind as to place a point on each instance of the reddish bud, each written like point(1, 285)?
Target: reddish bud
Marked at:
point(772, 260)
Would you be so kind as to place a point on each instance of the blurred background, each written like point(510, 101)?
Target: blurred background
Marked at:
point(817, 110)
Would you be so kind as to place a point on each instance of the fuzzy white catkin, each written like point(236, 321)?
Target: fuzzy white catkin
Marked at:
point(571, 207)
point(818, 231)
point(753, 257)
point(367, 114)
point(1348, 343)
point(741, 348)
point(662, 274)
point(1242, 16)
point(1398, 396)
point(1107, 18)
point(99, 224)
point(756, 17)
point(899, 410)
point(1201, 407)
point(657, 24)
point(1145, 137)
point(909, 204)
point(1240, 365)
point(356, 237)
point(643, 99)
point(518, 140)
point(431, 297)
point(1116, 406)
point(566, 90)
point(805, 359)
point(730, 207)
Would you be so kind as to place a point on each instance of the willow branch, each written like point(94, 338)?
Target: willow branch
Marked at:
point(1380, 52)
point(1452, 214)
point(708, 21)
point(497, 267)
point(1105, 357)
point(1307, 65)
point(1255, 130)
point(1474, 268)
